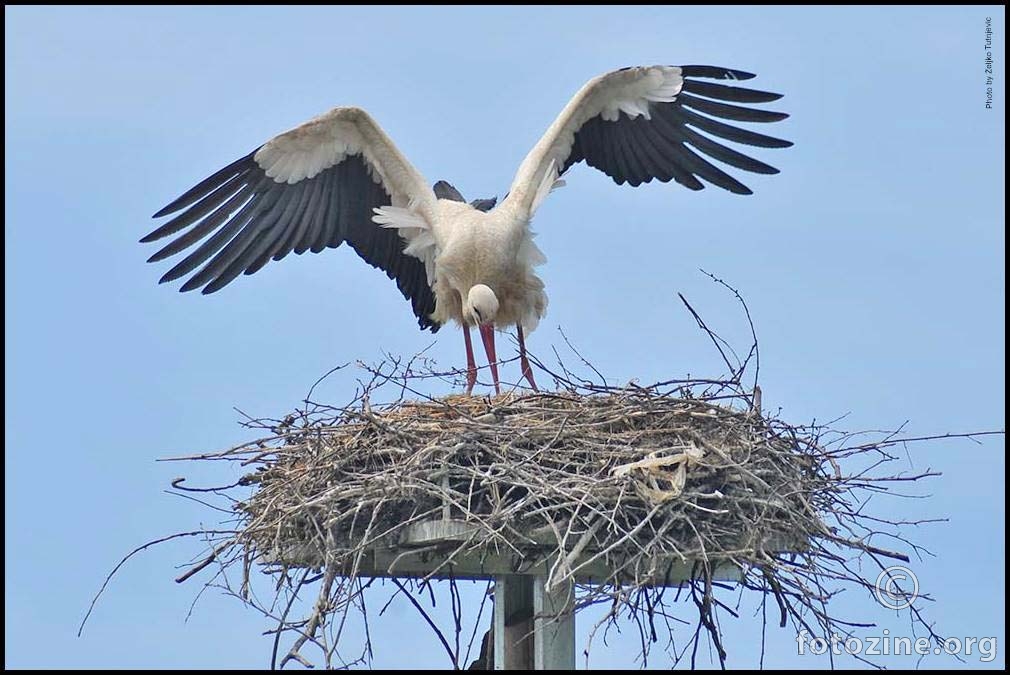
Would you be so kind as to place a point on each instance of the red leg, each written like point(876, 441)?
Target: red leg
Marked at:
point(527, 371)
point(487, 335)
point(471, 366)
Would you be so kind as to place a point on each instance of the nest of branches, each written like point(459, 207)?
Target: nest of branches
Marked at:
point(623, 491)
point(620, 486)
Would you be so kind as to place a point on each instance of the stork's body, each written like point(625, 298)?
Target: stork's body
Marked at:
point(484, 276)
point(339, 178)
point(495, 249)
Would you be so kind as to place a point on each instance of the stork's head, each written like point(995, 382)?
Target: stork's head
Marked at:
point(481, 305)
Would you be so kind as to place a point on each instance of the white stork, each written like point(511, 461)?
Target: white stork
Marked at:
point(339, 178)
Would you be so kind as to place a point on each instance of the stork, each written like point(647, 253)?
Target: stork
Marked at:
point(339, 178)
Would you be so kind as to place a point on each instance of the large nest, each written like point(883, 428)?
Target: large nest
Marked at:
point(629, 485)
point(623, 491)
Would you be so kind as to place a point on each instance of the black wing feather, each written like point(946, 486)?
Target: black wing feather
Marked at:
point(730, 112)
point(636, 142)
point(225, 232)
point(484, 205)
point(725, 93)
point(667, 149)
point(253, 223)
point(204, 206)
point(622, 152)
point(723, 130)
point(716, 73)
point(198, 191)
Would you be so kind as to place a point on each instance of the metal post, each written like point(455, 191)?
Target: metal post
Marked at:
point(513, 622)
point(554, 630)
point(533, 629)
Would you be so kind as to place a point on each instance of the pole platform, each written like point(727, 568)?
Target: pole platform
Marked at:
point(534, 625)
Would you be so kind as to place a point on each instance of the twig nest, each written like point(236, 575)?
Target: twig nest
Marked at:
point(634, 479)
point(623, 490)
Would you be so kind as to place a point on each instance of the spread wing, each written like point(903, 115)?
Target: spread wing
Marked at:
point(310, 188)
point(645, 123)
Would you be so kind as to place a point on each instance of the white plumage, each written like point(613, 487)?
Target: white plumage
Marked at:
point(339, 178)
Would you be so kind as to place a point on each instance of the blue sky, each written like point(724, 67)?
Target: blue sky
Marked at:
point(874, 267)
